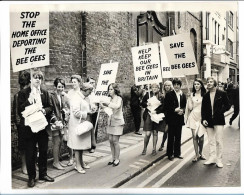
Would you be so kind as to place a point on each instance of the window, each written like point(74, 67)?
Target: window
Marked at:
point(230, 22)
point(230, 47)
point(149, 29)
point(207, 26)
point(215, 32)
point(179, 21)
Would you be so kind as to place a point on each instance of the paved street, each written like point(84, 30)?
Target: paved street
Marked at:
point(185, 173)
point(136, 170)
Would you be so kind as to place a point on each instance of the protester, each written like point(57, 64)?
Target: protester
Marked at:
point(193, 118)
point(149, 125)
point(236, 103)
point(24, 82)
point(214, 104)
point(115, 122)
point(95, 108)
point(78, 112)
point(175, 103)
point(167, 87)
point(226, 85)
point(58, 121)
point(230, 92)
point(221, 86)
point(40, 97)
point(135, 101)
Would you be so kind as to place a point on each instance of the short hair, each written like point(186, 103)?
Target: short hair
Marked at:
point(215, 82)
point(38, 73)
point(116, 88)
point(24, 78)
point(89, 78)
point(176, 81)
point(77, 77)
point(57, 81)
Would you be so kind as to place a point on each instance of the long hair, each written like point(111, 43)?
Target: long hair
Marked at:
point(116, 89)
point(203, 90)
point(168, 82)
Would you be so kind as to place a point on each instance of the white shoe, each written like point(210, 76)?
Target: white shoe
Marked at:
point(209, 162)
point(85, 166)
point(219, 165)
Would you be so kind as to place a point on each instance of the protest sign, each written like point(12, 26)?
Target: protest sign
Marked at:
point(180, 55)
point(29, 39)
point(107, 76)
point(146, 64)
point(165, 67)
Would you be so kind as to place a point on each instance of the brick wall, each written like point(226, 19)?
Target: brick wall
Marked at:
point(105, 37)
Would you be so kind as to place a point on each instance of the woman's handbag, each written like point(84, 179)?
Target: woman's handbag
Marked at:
point(83, 127)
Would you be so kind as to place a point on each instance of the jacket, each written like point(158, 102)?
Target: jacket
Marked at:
point(221, 105)
point(23, 102)
point(117, 118)
point(171, 103)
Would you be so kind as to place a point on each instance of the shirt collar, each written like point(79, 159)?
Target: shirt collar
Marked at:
point(179, 92)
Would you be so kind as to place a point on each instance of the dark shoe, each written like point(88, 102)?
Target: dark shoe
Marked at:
point(92, 150)
point(46, 178)
point(111, 163)
point(116, 164)
point(171, 158)
point(31, 183)
point(230, 122)
point(202, 157)
point(138, 133)
point(161, 148)
point(144, 152)
point(180, 157)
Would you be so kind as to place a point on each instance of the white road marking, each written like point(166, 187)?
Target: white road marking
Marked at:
point(134, 166)
point(173, 171)
point(149, 179)
point(139, 163)
point(142, 160)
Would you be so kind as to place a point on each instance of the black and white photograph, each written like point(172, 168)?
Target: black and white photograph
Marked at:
point(121, 97)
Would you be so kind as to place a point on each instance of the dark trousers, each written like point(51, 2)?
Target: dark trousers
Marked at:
point(136, 112)
point(94, 131)
point(174, 140)
point(40, 138)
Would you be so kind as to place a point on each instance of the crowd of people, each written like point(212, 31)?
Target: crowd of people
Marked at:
point(72, 118)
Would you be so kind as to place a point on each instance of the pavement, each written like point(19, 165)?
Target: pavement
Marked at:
point(101, 175)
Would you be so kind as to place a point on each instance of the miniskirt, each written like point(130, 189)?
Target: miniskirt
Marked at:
point(116, 130)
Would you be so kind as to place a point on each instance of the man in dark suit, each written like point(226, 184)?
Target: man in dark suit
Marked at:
point(40, 97)
point(135, 101)
point(214, 104)
point(175, 103)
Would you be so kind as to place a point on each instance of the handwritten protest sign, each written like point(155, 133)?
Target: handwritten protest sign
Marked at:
point(146, 63)
point(29, 32)
point(165, 67)
point(107, 76)
point(180, 55)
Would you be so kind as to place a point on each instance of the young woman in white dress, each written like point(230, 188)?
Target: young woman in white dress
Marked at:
point(193, 118)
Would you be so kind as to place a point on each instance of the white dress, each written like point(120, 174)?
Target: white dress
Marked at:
point(78, 105)
point(194, 117)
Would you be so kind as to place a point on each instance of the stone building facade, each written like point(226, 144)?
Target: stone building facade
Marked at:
point(81, 41)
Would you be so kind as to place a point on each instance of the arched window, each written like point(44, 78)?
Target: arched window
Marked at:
point(149, 29)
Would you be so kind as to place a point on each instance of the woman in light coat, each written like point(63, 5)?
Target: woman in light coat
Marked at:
point(79, 109)
point(115, 123)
